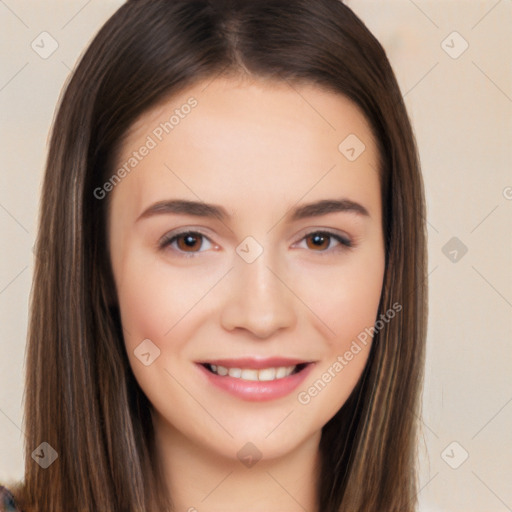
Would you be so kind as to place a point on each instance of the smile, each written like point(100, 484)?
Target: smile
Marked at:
point(253, 379)
point(251, 374)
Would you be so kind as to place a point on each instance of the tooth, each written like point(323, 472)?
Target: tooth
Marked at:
point(235, 372)
point(221, 370)
point(267, 374)
point(280, 372)
point(249, 374)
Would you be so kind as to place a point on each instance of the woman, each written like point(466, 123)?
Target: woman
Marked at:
point(277, 367)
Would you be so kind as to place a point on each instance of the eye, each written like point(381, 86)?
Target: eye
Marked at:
point(321, 240)
point(187, 242)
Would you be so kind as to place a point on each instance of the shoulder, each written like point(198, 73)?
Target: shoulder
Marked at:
point(7, 503)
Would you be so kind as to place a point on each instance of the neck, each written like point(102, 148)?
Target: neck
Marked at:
point(200, 480)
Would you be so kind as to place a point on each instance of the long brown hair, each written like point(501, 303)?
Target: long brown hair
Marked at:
point(81, 396)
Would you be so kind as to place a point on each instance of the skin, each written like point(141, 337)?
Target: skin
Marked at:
point(257, 149)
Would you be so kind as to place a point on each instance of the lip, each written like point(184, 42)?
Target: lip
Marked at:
point(256, 391)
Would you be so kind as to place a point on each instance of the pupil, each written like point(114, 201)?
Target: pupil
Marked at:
point(190, 240)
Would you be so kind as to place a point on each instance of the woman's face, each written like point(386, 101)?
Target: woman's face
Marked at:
point(245, 238)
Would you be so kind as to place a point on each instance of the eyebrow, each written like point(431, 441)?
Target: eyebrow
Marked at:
point(200, 209)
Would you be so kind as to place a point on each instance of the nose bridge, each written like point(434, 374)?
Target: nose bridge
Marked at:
point(257, 299)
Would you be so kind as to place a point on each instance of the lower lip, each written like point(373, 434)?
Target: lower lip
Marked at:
point(257, 391)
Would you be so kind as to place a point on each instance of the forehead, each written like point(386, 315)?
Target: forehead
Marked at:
point(268, 105)
point(252, 139)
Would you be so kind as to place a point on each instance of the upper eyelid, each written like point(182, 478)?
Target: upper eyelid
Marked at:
point(170, 236)
point(329, 231)
point(167, 237)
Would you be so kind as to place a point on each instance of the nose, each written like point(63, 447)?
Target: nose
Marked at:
point(258, 299)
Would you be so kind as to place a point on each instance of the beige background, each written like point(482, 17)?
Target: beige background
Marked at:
point(461, 109)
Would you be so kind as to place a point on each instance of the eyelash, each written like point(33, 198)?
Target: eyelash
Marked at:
point(345, 243)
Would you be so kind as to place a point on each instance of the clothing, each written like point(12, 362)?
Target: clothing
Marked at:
point(7, 503)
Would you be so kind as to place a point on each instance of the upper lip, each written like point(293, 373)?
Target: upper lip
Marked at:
point(255, 363)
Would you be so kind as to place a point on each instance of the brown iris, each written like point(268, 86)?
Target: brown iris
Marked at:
point(319, 239)
point(187, 241)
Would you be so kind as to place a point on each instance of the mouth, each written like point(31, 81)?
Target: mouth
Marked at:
point(255, 379)
point(254, 374)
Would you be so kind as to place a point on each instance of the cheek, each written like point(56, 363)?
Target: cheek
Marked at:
point(346, 299)
point(164, 305)
point(143, 309)
point(155, 304)
point(153, 301)
point(355, 306)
